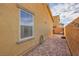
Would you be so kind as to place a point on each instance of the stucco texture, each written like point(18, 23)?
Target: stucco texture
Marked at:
point(9, 31)
point(72, 35)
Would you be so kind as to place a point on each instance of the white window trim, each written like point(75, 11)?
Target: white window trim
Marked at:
point(26, 38)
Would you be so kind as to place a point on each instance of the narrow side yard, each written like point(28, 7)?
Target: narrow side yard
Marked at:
point(54, 46)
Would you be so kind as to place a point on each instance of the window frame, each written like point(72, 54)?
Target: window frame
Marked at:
point(26, 38)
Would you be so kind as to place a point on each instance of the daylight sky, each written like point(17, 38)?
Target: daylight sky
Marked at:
point(26, 18)
point(67, 11)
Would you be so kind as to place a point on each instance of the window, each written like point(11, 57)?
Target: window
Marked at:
point(26, 24)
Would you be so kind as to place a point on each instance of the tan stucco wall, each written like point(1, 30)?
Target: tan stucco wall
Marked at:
point(56, 25)
point(72, 35)
point(56, 20)
point(58, 30)
point(9, 31)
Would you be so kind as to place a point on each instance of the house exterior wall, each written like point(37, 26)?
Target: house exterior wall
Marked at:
point(56, 25)
point(58, 30)
point(56, 20)
point(72, 35)
point(9, 31)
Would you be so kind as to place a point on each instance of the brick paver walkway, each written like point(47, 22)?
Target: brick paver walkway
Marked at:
point(54, 46)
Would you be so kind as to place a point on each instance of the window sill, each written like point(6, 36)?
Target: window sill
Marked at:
point(24, 39)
